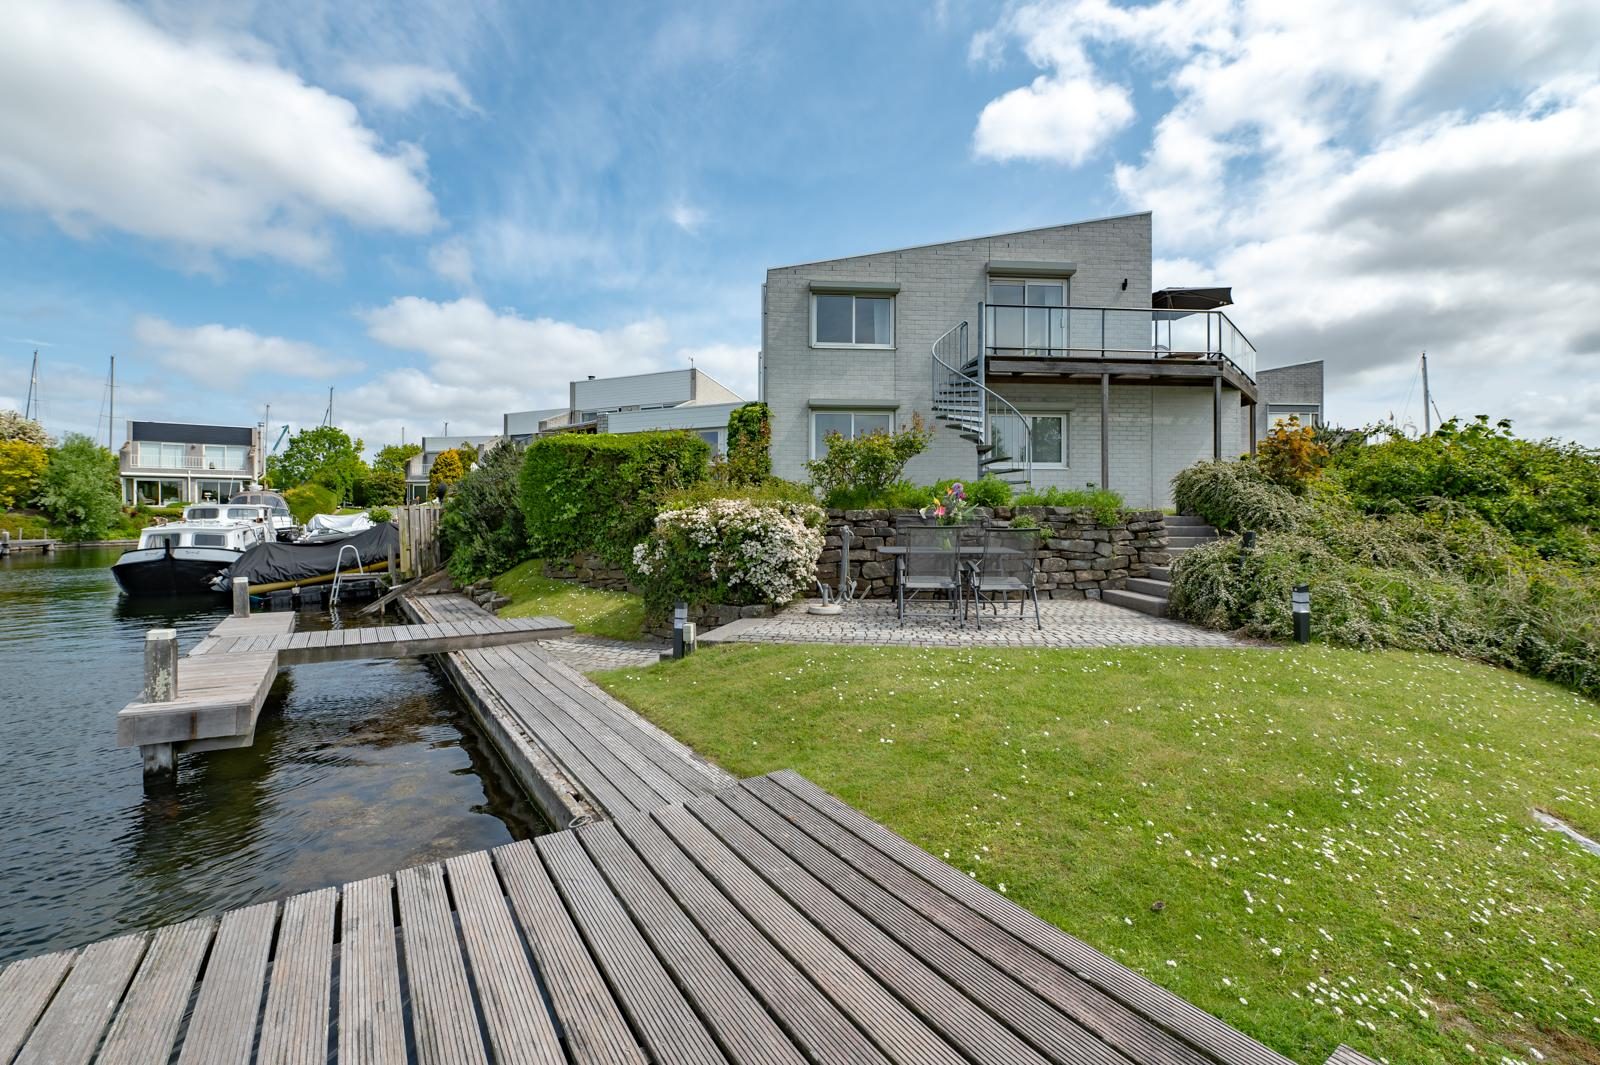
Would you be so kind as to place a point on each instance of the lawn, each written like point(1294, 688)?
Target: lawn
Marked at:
point(614, 614)
point(1318, 845)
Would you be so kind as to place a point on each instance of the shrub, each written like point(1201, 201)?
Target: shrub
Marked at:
point(447, 471)
point(773, 490)
point(1235, 496)
point(750, 444)
point(729, 551)
point(79, 490)
point(310, 499)
point(601, 493)
point(867, 465)
point(380, 487)
point(1291, 455)
point(22, 467)
point(1106, 505)
point(989, 491)
point(379, 515)
point(14, 427)
point(482, 530)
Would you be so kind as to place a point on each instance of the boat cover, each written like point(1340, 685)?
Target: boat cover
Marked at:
point(271, 563)
point(345, 523)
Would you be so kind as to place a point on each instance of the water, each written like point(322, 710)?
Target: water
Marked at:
point(358, 768)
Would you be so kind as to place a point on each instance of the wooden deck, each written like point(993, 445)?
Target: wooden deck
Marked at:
point(588, 755)
point(223, 682)
point(766, 923)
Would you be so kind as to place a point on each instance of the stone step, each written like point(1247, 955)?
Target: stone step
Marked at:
point(1175, 522)
point(1184, 543)
point(1161, 573)
point(1145, 604)
point(1150, 586)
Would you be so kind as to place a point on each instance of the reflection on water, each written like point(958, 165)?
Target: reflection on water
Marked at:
point(358, 768)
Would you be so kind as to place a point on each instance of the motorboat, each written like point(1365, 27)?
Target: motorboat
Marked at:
point(185, 557)
point(275, 567)
point(283, 525)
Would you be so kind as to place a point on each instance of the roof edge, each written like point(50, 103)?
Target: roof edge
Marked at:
point(963, 240)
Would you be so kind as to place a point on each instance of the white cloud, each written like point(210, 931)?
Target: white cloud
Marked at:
point(687, 217)
point(189, 141)
point(452, 260)
point(1063, 120)
point(401, 86)
point(1395, 179)
point(222, 356)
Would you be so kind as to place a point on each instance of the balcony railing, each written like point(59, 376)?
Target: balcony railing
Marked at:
point(1116, 333)
point(131, 463)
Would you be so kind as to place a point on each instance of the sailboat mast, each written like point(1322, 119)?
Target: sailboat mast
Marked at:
point(30, 408)
point(111, 415)
point(1427, 399)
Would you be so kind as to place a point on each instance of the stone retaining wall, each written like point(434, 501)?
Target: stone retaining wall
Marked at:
point(1077, 555)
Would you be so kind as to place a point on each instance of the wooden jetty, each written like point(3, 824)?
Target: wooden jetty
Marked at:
point(8, 545)
point(768, 922)
point(577, 751)
point(214, 694)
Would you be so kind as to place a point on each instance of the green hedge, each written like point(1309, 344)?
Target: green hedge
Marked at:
point(310, 499)
point(601, 493)
point(482, 530)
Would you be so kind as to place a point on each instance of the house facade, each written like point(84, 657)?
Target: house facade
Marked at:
point(418, 467)
point(1042, 357)
point(689, 400)
point(1289, 391)
point(172, 463)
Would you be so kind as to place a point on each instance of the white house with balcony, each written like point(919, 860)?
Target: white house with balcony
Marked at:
point(690, 400)
point(1042, 357)
point(168, 463)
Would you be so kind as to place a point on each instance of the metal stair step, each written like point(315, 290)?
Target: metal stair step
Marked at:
point(1145, 604)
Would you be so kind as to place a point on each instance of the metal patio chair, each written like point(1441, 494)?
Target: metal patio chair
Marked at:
point(931, 563)
point(1008, 564)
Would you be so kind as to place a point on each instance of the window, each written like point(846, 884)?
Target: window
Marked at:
point(1027, 316)
point(202, 514)
point(209, 540)
point(243, 514)
point(224, 457)
point(852, 321)
point(1047, 439)
point(154, 456)
point(712, 440)
point(847, 423)
point(1308, 413)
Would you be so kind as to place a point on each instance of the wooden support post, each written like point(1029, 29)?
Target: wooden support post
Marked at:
point(5, 543)
point(394, 567)
point(160, 686)
point(241, 597)
point(1216, 418)
point(1105, 430)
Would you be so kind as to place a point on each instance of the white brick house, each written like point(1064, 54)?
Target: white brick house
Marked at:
point(1043, 354)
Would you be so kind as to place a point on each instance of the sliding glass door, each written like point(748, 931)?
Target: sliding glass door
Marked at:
point(1026, 317)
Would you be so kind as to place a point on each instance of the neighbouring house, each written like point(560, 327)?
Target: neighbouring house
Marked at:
point(169, 463)
point(1289, 391)
point(670, 399)
point(418, 467)
point(1041, 356)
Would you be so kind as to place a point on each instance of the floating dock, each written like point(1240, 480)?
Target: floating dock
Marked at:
point(769, 922)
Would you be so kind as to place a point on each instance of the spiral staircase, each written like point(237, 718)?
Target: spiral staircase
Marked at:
point(996, 429)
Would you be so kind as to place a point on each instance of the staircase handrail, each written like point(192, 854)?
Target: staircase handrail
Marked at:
point(988, 398)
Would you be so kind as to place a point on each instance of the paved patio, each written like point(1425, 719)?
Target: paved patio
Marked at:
point(1067, 623)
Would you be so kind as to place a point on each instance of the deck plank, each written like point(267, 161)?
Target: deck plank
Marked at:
point(147, 1025)
point(371, 1018)
point(596, 1032)
point(520, 1030)
point(294, 1028)
point(443, 1016)
point(26, 987)
point(223, 1025)
point(83, 1005)
point(665, 1022)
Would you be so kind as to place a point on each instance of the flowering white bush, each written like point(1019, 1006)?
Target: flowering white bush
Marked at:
point(731, 551)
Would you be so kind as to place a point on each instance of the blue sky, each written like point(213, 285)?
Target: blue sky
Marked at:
point(445, 211)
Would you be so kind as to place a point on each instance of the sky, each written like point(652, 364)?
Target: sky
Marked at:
point(445, 209)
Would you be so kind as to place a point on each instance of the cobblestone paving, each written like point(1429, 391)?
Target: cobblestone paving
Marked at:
point(590, 654)
point(1067, 623)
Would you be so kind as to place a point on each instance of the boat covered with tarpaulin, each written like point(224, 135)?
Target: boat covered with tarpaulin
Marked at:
point(274, 567)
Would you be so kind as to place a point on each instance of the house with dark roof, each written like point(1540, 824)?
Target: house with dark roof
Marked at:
point(170, 463)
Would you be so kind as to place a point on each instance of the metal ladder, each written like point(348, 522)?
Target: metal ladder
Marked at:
point(338, 571)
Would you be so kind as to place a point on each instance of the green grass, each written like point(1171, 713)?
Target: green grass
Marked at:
point(614, 614)
point(1341, 841)
point(31, 525)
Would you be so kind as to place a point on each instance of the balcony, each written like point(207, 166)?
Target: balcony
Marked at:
point(131, 464)
point(1129, 342)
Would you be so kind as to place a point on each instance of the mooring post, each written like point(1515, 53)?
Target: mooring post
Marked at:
point(5, 543)
point(241, 597)
point(160, 686)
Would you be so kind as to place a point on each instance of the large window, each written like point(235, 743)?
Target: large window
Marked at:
point(848, 424)
point(852, 321)
point(154, 456)
point(224, 457)
point(1046, 441)
point(1027, 317)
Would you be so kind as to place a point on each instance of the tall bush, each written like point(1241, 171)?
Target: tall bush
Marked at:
point(1234, 496)
point(1291, 456)
point(79, 490)
point(865, 467)
point(750, 444)
point(380, 487)
point(482, 529)
point(13, 426)
point(729, 551)
point(22, 467)
point(307, 500)
point(447, 470)
point(601, 493)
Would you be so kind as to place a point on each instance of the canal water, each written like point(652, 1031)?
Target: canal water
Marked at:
point(358, 768)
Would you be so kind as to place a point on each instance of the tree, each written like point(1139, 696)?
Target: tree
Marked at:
point(381, 488)
point(447, 470)
point(325, 455)
point(482, 528)
point(750, 444)
point(13, 426)
point(79, 490)
point(22, 466)
point(393, 457)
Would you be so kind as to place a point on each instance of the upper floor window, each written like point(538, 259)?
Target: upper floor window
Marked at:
point(839, 320)
point(224, 457)
point(160, 456)
point(1027, 315)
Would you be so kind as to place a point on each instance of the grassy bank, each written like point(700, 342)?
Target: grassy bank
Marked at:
point(1340, 843)
point(32, 525)
point(613, 614)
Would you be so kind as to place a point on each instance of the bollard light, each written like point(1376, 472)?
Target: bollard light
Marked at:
point(1249, 540)
point(1300, 602)
point(680, 618)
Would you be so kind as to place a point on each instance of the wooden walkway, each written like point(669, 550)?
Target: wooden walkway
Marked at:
point(767, 923)
point(223, 682)
point(588, 755)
